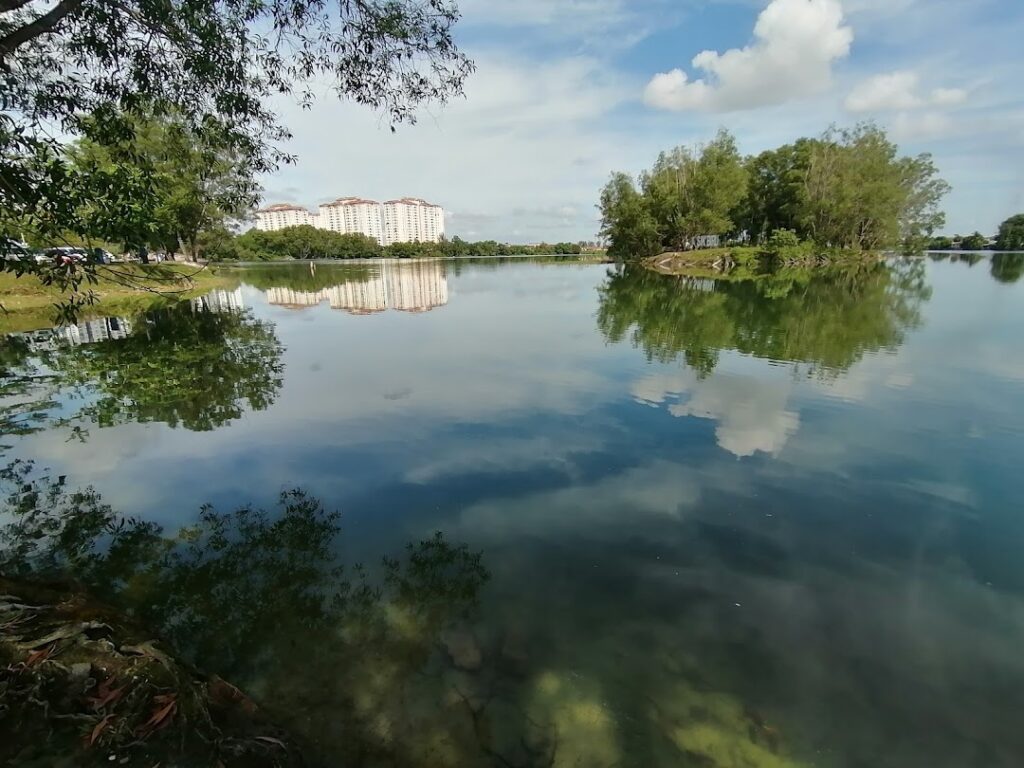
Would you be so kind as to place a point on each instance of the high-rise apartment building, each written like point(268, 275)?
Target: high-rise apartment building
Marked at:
point(408, 220)
point(412, 220)
point(283, 215)
point(353, 215)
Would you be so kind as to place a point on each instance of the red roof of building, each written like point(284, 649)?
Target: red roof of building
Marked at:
point(349, 201)
point(281, 207)
point(411, 201)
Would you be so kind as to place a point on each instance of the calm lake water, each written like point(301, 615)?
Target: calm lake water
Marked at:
point(765, 523)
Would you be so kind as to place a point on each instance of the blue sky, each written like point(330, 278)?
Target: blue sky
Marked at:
point(567, 91)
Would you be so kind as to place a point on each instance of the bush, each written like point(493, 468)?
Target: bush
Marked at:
point(786, 245)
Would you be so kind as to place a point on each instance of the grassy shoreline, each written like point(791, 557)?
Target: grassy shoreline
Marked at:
point(29, 305)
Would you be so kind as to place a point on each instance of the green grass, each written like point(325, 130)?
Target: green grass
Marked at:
point(122, 290)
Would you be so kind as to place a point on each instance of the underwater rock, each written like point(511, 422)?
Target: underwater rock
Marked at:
point(584, 729)
point(540, 740)
point(514, 655)
point(463, 649)
point(466, 689)
point(715, 729)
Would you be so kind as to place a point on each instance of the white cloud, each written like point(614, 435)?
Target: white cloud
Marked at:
point(597, 25)
point(551, 15)
point(661, 489)
point(900, 91)
point(541, 126)
point(530, 135)
point(922, 125)
point(885, 92)
point(751, 412)
point(948, 97)
point(795, 45)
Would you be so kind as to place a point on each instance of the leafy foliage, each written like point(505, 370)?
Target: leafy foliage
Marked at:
point(105, 72)
point(694, 193)
point(304, 242)
point(308, 242)
point(975, 242)
point(627, 221)
point(686, 194)
point(940, 243)
point(848, 189)
point(1011, 234)
point(193, 186)
point(91, 67)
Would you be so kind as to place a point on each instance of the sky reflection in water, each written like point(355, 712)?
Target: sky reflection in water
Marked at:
point(748, 524)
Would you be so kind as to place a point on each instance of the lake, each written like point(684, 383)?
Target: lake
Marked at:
point(604, 517)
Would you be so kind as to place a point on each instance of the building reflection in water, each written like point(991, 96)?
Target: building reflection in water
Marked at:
point(113, 328)
point(417, 286)
point(85, 332)
point(220, 301)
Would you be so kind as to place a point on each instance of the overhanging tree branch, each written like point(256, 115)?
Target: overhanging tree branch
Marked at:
point(12, 5)
point(38, 26)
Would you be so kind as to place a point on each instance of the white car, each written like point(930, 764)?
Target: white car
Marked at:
point(14, 250)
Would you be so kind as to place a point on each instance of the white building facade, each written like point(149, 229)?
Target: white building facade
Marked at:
point(407, 220)
point(353, 215)
point(283, 215)
point(411, 220)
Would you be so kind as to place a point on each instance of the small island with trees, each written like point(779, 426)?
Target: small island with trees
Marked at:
point(845, 195)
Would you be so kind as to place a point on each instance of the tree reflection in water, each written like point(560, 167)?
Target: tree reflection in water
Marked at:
point(197, 369)
point(350, 663)
point(26, 393)
point(1007, 267)
point(827, 318)
point(180, 366)
point(385, 669)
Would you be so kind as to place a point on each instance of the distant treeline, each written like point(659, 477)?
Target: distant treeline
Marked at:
point(1010, 238)
point(847, 189)
point(306, 242)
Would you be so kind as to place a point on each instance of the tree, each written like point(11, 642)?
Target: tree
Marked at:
point(627, 221)
point(975, 242)
point(91, 69)
point(848, 189)
point(920, 215)
point(776, 190)
point(303, 242)
point(194, 186)
point(862, 196)
point(1011, 234)
point(693, 193)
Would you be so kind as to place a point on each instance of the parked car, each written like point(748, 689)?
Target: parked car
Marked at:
point(14, 250)
point(64, 254)
point(101, 256)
